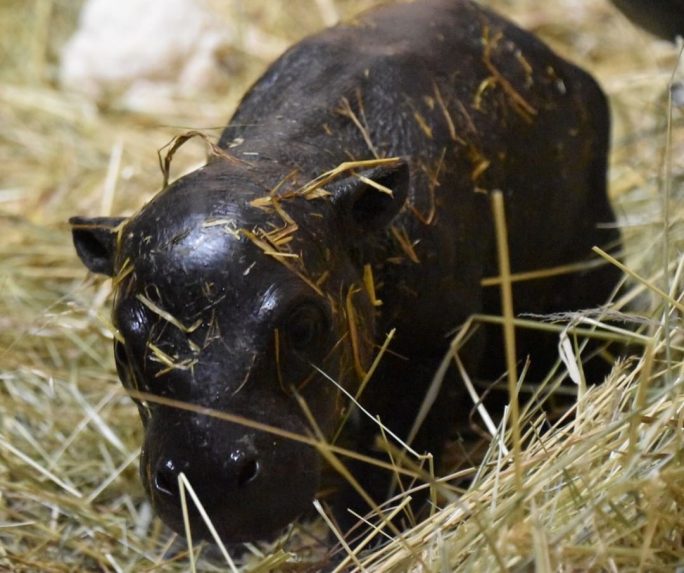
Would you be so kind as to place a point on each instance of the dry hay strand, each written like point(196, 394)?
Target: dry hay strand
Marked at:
point(597, 495)
point(602, 491)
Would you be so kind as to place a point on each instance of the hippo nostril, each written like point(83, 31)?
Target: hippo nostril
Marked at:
point(166, 479)
point(248, 472)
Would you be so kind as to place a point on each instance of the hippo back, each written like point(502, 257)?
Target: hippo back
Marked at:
point(475, 104)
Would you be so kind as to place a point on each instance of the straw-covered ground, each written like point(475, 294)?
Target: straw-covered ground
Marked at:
point(602, 492)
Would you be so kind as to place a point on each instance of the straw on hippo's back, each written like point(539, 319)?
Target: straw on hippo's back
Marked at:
point(368, 150)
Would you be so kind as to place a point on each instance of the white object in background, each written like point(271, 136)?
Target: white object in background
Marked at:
point(130, 49)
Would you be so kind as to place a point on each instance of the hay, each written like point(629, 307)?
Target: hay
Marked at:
point(603, 492)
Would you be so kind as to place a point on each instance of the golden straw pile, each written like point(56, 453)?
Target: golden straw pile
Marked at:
point(602, 491)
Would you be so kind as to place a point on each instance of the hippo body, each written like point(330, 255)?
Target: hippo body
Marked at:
point(368, 150)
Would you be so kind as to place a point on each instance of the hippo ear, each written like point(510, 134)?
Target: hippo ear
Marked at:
point(95, 241)
point(368, 200)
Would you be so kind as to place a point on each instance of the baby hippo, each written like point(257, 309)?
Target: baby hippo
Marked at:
point(349, 197)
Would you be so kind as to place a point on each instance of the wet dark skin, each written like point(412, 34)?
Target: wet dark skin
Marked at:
point(239, 283)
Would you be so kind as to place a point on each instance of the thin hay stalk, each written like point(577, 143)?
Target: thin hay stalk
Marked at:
point(329, 455)
point(509, 328)
point(351, 554)
point(184, 484)
point(624, 268)
point(186, 523)
point(545, 273)
point(375, 530)
point(249, 423)
point(365, 412)
point(40, 469)
point(624, 335)
point(666, 194)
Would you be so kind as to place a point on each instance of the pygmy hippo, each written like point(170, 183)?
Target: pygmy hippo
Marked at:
point(349, 196)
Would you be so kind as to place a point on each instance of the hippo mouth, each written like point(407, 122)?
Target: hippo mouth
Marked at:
point(249, 490)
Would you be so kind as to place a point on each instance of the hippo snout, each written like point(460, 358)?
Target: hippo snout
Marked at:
point(251, 484)
point(239, 469)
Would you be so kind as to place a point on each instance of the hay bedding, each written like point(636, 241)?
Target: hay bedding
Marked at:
point(604, 492)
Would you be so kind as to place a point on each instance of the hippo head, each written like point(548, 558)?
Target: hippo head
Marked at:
point(233, 289)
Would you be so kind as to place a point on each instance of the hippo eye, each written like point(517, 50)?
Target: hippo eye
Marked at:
point(306, 326)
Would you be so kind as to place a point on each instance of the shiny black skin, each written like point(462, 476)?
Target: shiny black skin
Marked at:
point(469, 103)
point(664, 18)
